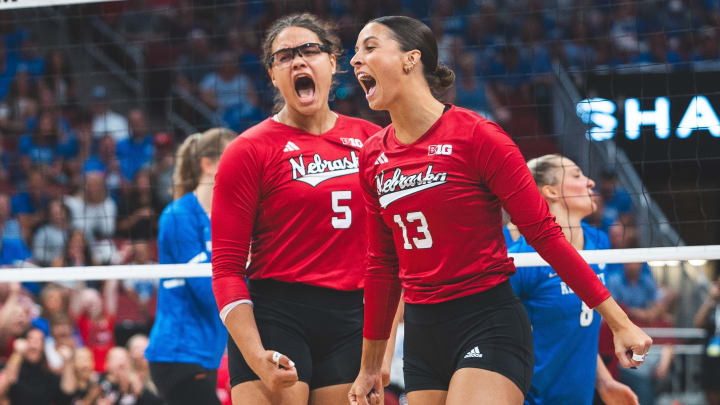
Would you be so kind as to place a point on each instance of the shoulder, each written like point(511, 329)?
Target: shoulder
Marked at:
point(359, 125)
point(208, 80)
point(180, 211)
point(109, 203)
point(597, 237)
point(378, 139)
point(520, 246)
point(26, 140)
point(374, 146)
point(123, 144)
point(486, 136)
point(256, 138)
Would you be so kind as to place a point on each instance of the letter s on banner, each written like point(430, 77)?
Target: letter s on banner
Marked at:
point(597, 112)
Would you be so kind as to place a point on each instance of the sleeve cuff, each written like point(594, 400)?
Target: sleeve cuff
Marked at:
point(229, 307)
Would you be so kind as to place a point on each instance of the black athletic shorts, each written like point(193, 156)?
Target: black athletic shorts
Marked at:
point(320, 329)
point(489, 330)
point(185, 384)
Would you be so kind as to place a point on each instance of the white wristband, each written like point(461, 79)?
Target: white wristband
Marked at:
point(229, 307)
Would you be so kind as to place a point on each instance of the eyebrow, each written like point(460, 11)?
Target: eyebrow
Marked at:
point(365, 40)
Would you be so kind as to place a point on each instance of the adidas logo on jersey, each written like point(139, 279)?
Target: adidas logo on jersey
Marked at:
point(475, 352)
point(381, 159)
point(290, 147)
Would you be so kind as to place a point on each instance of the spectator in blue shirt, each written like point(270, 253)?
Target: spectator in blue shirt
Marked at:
point(634, 287)
point(31, 204)
point(105, 160)
point(39, 147)
point(8, 64)
point(469, 86)
point(137, 150)
point(13, 251)
point(617, 201)
point(29, 58)
point(10, 226)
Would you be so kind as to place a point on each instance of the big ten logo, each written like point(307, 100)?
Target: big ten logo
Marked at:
point(440, 150)
point(352, 142)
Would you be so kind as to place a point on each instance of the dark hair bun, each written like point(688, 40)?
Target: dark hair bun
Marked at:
point(445, 77)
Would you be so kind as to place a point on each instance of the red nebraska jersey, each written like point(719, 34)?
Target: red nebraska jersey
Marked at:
point(435, 219)
point(297, 198)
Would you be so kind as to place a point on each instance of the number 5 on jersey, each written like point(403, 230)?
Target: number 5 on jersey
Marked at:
point(426, 241)
point(344, 221)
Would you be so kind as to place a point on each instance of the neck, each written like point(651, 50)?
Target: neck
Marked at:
point(317, 123)
point(204, 193)
point(570, 224)
point(414, 112)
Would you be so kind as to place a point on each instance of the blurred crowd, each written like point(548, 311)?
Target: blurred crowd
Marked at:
point(83, 183)
point(502, 51)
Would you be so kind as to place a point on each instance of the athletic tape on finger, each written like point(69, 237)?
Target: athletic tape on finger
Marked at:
point(638, 357)
point(276, 358)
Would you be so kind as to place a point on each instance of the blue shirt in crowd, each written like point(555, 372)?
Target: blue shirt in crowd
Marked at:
point(133, 154)
point(639, 294)
point(13, 250)
point(187, 326)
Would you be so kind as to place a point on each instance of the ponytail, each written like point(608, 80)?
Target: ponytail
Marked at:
point(211, 144)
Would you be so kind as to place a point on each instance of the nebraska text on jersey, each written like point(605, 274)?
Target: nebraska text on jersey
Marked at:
point(320, 170)
point(400, 185)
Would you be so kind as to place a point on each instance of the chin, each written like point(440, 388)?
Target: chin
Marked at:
point(377, 105)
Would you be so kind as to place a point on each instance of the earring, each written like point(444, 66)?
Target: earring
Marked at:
point(408, 68)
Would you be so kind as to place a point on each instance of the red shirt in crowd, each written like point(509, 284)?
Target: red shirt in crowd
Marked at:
point(296, 196)
point(435, 221)
point(98, 337)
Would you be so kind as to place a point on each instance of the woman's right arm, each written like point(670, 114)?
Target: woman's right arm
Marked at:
point(382, 294)
point(234, 207)
point(12, 367)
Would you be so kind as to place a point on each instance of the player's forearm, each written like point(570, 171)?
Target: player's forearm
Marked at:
point(372, 355)
point(615, 317)
point(702, 313)
point(602, 374)
point(241, 325)
point(12, 368)
point(68, 382)
point(390, 346)
point(382, 294)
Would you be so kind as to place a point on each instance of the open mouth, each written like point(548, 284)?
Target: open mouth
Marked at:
point(368, 84)
point(305, 88)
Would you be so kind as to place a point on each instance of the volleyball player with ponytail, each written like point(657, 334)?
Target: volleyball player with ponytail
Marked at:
point(565, 330)
point(434, 183)
point(187, 340)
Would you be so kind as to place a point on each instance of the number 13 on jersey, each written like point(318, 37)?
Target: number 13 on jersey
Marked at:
point(421, 227)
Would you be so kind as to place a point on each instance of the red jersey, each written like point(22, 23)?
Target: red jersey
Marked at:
point(98, 336)
point(435, 219)
point(296, 196)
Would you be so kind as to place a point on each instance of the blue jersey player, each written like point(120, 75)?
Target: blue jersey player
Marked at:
point(188, 338)
point(565, 331)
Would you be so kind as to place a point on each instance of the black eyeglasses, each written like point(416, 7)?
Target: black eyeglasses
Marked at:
point(283, 57)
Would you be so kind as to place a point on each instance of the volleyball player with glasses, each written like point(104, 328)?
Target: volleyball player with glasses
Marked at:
point(290, 185)
point(283, 57)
